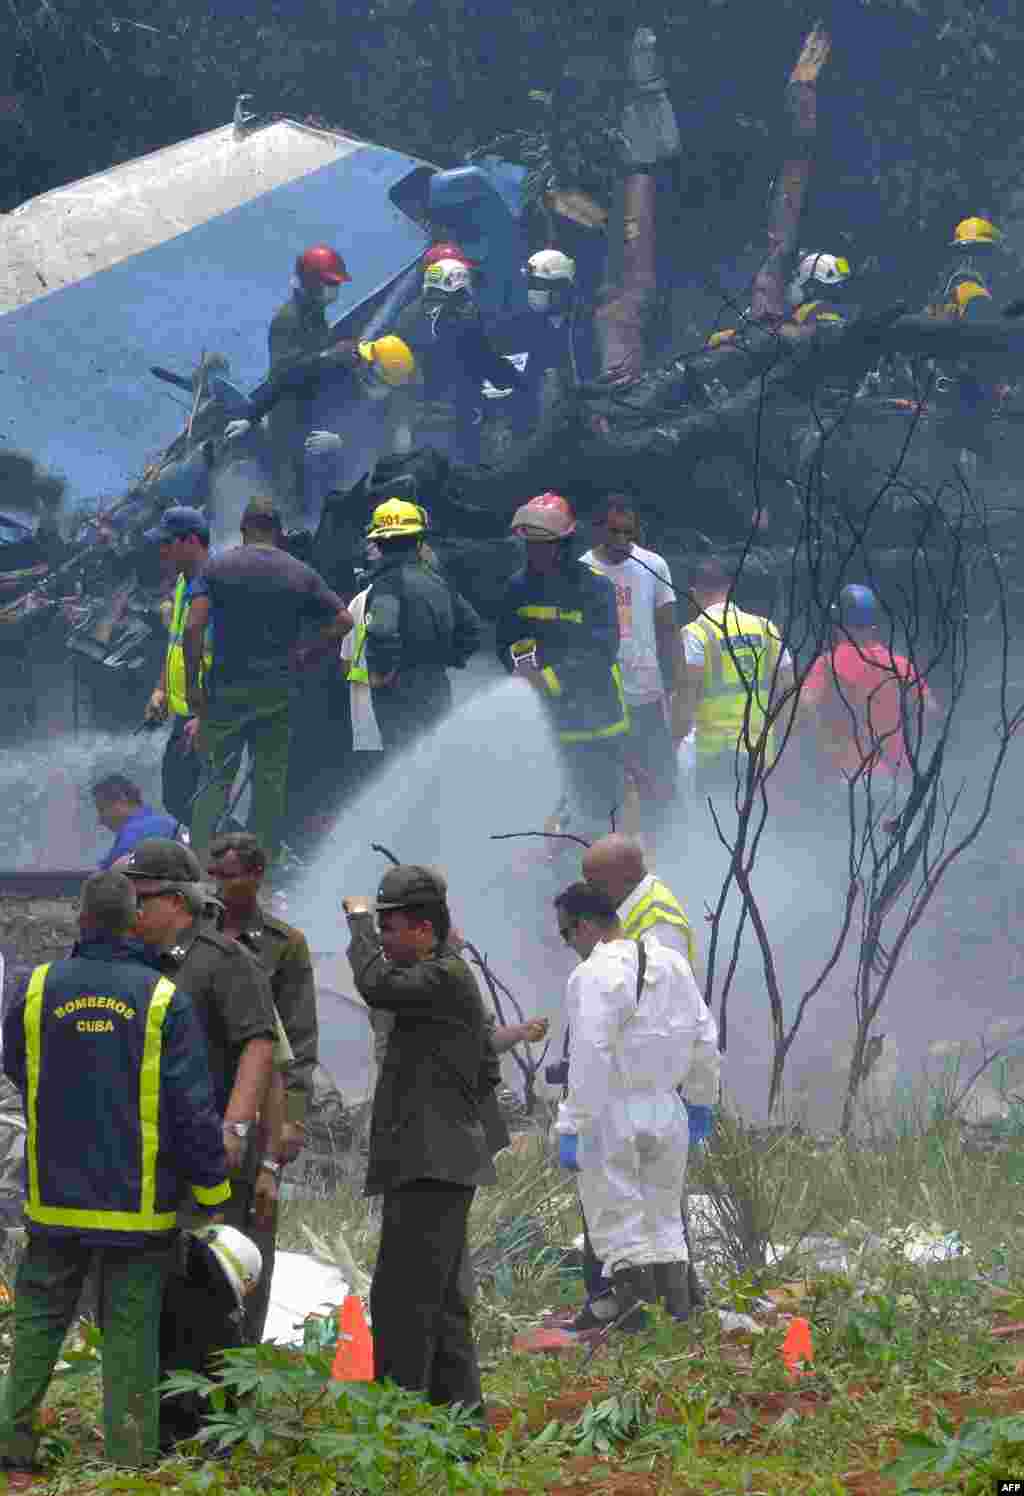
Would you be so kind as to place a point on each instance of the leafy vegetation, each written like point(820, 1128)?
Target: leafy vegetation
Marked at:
point(910, 1387)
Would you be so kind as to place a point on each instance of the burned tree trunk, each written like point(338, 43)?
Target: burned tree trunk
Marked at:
point(768, 298)
point(649, 134)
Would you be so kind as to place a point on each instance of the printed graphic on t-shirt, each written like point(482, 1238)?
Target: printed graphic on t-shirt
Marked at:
point(624, 603)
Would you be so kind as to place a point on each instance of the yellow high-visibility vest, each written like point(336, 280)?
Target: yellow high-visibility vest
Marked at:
point(660, 906)
point(177, 699)
point(357, 670)
point(146, 1216)
point(733, 672)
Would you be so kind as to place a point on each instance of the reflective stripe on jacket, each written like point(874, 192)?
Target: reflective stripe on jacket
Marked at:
point(97, 1148)
point(177, 699)
point(745, 667)
point(962, 288)
point(588, 703)
point(810, 312)
point(659, 905)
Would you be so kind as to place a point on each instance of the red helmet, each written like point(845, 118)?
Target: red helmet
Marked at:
point(548, 515)
point(448, 252)
point(321, 265)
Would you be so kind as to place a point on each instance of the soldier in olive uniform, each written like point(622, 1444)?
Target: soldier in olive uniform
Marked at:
point(233, 1003)
point(428, 1148)
point(238, 864)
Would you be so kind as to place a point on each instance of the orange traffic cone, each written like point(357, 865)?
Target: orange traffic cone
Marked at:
point(797, 1350)
point(353, 1358)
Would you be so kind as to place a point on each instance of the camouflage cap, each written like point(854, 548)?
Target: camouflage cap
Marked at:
point(164, 860)
point(408, 886)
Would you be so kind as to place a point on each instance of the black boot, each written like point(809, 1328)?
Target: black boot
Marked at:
point(672, 1286)
point(633, 1288)
point(597, 1313)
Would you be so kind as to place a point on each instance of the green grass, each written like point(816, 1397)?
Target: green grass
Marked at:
point(898, 1347)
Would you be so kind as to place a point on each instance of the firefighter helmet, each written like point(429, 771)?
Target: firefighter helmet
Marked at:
point(396, 517)
point(447, 251)
point(390, 359)
point(447, 276)
point(975, 231)
point(546, 517)
point(320, 265)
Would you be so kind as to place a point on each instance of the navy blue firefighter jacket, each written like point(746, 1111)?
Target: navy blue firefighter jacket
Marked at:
point(112, 1067)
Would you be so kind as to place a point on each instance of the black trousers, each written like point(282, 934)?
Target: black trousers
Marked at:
point(237, 1212)
point(180, 772)
point(415, 704)
point(420, 1299)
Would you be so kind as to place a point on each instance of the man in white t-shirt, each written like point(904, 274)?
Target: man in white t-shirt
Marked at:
point(365, 732)
point(648, 651)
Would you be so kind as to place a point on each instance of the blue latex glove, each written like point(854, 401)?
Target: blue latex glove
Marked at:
point(701, 1120)
point(568, 1144)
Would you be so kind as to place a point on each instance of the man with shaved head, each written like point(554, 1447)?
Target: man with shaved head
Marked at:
point(645, 906)
point(616, 865)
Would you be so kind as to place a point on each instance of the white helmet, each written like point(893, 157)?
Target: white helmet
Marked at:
point(549, 274)
point(820, 269)
point(551, 265)
point(238, 1258)
point(447, 276)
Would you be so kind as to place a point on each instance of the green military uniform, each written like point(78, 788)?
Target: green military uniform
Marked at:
point(282, 953)
point(299, 328)
point(261, 601)
point(233, 1003)
point(428, 1153)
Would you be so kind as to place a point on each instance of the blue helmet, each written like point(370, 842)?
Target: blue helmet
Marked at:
point(857, 606)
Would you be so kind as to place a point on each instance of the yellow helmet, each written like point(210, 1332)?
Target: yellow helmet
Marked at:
point(396, 517)
point(975, 231)
point(390, 358)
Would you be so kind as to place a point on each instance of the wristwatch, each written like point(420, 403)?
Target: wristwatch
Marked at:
point(271, 1166)
point(240, 1129)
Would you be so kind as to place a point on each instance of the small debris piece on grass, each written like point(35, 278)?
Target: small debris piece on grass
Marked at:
point(551, 1340)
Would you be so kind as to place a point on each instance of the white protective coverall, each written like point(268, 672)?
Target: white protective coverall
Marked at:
point(627, 1061)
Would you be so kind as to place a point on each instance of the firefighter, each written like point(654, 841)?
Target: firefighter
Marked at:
point(814, 294)
point(235, 1008)
point(350, 420)
point(558, 629)
point(816, 290)
point(540, 344)
point(121, 1116)
point(299, 329)
point(965, 290)
point(965, 293)
point(454, 356)
point(415, 626)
